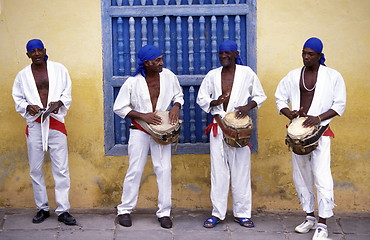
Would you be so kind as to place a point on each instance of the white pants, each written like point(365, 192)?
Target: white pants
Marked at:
point(230, 164)
point(58, 149)
point(314, 169)
point(138, 148)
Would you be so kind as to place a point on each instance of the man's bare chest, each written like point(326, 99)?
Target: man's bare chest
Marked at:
point(41, 80)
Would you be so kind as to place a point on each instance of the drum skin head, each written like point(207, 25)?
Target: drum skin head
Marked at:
point(165, 126)
point(296, 129)
point(231, 121)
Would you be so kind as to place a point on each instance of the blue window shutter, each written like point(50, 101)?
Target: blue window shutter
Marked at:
point(188, 32)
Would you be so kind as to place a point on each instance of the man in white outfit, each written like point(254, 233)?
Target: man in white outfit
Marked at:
point(37, 87)
point(318, 93)
point(152, 88)
point(223, 90)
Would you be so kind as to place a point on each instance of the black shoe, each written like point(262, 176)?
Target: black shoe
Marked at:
point(40, 216)
point(165, 222)
point(125, 220)
point(67, 219)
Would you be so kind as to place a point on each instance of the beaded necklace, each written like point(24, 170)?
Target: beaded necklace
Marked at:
point(304, 85)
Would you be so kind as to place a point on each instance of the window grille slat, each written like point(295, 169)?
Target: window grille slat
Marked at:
point(179, 45)
point(192, 114)
point(132, 44)
point(202, 46)
point(120, 46)
point(167, 40)
point(191, 45)
point(214, 42)
point(123, 130)
point(237, 31)
point(144, 32)
point(155, 32)
point(226, 27)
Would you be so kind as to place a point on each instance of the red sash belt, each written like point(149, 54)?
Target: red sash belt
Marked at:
point(213, 127)
point(138, 126)
point(329, 133)
point(54, 124)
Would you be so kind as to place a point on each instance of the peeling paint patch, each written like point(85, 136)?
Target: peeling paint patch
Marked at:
point(343, 185)
point(192, 187)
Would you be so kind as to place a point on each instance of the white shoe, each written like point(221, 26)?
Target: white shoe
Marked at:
point(321, 232)
point(307, 225)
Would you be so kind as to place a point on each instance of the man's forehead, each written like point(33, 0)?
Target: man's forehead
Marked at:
point(307, 49)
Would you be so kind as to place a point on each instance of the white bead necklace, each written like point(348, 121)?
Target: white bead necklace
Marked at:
point(304, 85)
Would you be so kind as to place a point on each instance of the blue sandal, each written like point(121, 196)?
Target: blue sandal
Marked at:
point(244, 222)
point(211, 222)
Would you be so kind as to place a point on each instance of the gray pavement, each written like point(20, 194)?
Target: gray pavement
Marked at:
point(101, 224)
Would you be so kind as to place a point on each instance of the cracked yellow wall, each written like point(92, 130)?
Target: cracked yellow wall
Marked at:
point(71, 31)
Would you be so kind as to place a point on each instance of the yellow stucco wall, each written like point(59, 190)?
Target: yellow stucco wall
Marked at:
point(71, 31)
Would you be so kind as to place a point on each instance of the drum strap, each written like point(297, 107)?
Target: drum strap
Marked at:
point(316, 136)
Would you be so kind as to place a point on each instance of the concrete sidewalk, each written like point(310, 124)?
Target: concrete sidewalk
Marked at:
point(100, 224)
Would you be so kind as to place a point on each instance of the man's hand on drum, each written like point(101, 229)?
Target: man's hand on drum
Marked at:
point(311, 121)
point(220, 100)
point(151, 118)
point(241, 112)
point(174, 114)
point(292, 114)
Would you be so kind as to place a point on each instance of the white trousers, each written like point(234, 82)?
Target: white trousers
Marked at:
point(230, 164)
point(138, 148)
point(58, 149)
point(314, 170)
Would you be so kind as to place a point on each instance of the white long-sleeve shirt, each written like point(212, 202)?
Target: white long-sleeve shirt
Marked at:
point(330, 92)
point(134, 94)
point(246, 84)
point(25, 91)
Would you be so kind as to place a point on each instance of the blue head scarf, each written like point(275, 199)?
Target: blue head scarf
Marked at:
point(146, 53)
point(315, 44)
point(35, 43)
point(229, 45)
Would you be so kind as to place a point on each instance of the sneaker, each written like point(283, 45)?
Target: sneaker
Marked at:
point(307, 225)
point(321, 232)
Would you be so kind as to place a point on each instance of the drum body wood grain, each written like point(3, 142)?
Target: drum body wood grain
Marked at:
point(237, 132)
point(303, 140)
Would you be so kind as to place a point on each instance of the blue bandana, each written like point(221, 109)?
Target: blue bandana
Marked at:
point(35, 43)
point(315, 44)
point(229, 45)
point(146, 53)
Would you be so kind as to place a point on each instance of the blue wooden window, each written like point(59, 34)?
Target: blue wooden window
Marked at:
point(189, 33)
